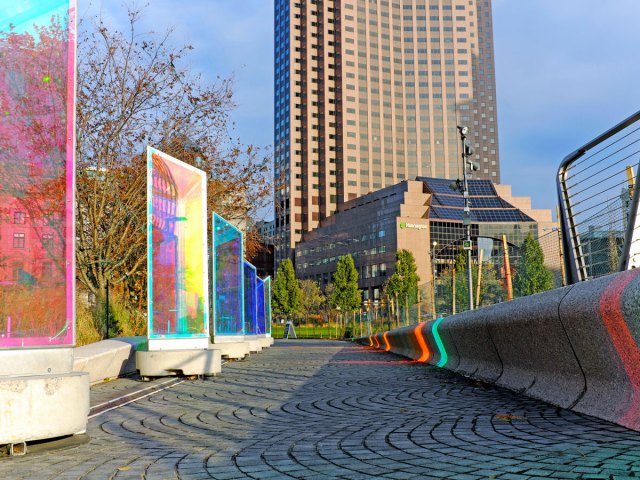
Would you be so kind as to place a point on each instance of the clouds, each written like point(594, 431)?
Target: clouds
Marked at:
point(566, 71)
point(231, 38)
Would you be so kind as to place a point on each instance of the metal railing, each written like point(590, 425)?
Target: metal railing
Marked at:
point(598, 196)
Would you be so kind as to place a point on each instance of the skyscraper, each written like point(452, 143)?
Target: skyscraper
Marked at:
point(369, 93)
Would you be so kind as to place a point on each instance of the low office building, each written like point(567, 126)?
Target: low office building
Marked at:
point(423, 216)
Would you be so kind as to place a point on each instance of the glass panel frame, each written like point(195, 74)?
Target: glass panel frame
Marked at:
point(261, 328)
point(227, 278)
point(267, 305)
point(250, 299)
point(37, 173)
point(178, 290)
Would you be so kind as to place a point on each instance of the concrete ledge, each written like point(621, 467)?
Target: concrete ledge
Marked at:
point(232, 350)
point(108, 359)
point(38, 407)
point(160, 363)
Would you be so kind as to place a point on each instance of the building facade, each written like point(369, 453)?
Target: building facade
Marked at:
point(369, 93)
point(412, 215)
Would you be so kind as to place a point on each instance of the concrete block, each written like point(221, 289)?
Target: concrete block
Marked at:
point(108, 358)
point(232, 350)
point(410, 342)
point(160, 363)
point(478, 355)
point(265, 342)
point(449, 344)
point(602, 319)
point(38, 407)
point(255, 345)
point(536, 353)
point(432, 346)
point(36, 361)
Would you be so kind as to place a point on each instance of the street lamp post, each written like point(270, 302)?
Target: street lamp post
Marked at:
point(434, 244)
point(467, 151)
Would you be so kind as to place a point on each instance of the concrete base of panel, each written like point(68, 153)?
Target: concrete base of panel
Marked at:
point(36, 361)
point(161, 363)
point(191, 343)
point(39, 407)
point(232, 350)
point(255, 345)
point(265, 341)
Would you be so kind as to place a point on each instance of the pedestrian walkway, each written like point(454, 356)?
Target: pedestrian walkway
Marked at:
point(313, 409)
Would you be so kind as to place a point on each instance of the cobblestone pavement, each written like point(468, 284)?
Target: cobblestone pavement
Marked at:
point(320, 410)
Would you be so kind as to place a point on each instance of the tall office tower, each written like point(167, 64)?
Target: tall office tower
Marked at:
point(369, 93)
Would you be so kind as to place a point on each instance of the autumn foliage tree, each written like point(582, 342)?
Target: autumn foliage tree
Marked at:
point(133, 92)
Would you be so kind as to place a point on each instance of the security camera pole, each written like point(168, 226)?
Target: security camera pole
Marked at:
point(467, 151)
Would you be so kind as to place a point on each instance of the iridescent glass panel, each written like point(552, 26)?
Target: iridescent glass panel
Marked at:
point(250, 307)
point(37, 136)
point(228, 288)
point(260, 313)
point(177, 243)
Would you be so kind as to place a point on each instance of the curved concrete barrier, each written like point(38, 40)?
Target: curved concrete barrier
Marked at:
point(478, 356)
point(602, 320)
point(401, 340)
point(450, 356)
point(536, 353)
point(575, 347)
point(434, 349)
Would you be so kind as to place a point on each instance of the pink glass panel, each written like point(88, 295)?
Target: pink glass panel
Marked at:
point(37, 88)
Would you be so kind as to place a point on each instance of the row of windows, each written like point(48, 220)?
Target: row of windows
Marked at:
point(407, 6)
point(20, 218)
point(19, 240)
point(354, 255)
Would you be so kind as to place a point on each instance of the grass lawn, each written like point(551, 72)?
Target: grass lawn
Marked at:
point(310, 331)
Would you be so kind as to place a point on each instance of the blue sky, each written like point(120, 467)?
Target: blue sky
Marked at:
point(566, 71)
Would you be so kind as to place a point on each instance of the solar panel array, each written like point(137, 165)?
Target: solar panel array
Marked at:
point(447, 203)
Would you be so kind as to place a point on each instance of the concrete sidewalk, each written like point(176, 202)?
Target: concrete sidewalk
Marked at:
point(317, 409)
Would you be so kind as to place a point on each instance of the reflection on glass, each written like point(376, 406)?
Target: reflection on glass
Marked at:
point(260, 314)
point(37, 88)
point(228, 291)
point(178, 300)
point(267, 305)
point(250, 310)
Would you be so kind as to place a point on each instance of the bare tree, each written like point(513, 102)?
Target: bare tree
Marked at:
point(133, 92)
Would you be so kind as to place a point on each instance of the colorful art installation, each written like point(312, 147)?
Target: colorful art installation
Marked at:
point(250, 298)
point(267, 305)
point(261, 328)
point(177, 249)
point(37, 138)
point(228, 286)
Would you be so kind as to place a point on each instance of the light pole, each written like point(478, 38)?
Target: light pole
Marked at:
point(467, 151)
point(434, 244)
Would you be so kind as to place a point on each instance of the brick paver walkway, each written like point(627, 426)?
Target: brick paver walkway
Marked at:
point(319, 410)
